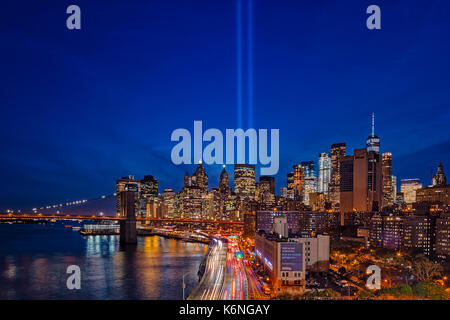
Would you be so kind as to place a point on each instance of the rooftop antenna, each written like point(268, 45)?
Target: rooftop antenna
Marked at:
point(373, 124)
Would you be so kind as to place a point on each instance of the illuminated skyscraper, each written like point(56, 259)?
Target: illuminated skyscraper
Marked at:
point(200, 178)
point(409, 187)
point(308, 168)
point(337, 153)
point(394, 189)
point(191, 198)
point(283, 192)
point(386, 163)
point(187, 180)
point(148, 195)
point(324, 172)
point(224, 184)
point(309, 180)
point(298, 182)
point(264, 196)
point(373, 142)
point(290, 192)
point(270, 180)
point(244, 181)
point(168, 203)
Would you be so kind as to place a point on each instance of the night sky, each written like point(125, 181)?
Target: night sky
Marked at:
point(81, 108)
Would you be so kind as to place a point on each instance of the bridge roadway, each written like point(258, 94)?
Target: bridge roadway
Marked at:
point(79, 217)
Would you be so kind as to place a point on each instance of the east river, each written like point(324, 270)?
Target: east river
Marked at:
point(34, 260)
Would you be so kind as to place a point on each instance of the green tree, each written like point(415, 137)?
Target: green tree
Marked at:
point(330, 293)
point(429, 290)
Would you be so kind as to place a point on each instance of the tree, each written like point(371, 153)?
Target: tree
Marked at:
point(425, 270)
point(330, 293)
point(428, 290)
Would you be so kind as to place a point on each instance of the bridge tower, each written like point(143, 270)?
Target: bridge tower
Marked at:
point(127, 200)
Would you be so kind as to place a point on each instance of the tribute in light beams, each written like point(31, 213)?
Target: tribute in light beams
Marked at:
point(249, 58)
point(250, 63)
point(239, 62)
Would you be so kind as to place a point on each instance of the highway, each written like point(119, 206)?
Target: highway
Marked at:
point(226, 276)
point(235, 280)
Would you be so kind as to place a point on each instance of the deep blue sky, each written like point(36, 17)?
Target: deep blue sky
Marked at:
point(81, 108)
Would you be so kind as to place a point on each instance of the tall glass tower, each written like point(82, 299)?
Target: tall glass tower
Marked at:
point(373, 142)
point(324, 172)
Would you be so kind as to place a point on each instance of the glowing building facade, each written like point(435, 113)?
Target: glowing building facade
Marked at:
point(409, 188)
point(244, 181)
point(324, 172)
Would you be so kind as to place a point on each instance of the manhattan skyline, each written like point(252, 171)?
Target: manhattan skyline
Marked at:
point(86, 107)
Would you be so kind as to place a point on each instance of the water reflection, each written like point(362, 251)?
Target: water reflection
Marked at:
point(152, 269)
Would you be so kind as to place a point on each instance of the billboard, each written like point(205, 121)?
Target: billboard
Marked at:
point(291, 256)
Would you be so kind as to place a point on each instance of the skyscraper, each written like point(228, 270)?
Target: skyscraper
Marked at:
point(394, 189)
point(148, 195)
point(200, 178)
point(386, 164)
point(373, 142)
point(224, 184)
point(298, 182)
point(361, 182)
point(168, 201)
point(324, 172)
point(270, 180)
point(290, 192)
point(187, 180)
point(309, 180)
point(244, 181)
point(308, 168)
point(337, 153)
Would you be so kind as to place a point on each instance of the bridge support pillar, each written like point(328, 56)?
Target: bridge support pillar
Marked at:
point(127, 198)
point(128, 232)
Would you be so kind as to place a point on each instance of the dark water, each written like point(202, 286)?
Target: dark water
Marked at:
point(34, 259)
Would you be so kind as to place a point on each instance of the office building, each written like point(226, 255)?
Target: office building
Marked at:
point(298, 183)
point(270, 180)
point(224, 183)
point(200, 178)
point(290, 191)
point(361, 182)
point(244, 181)
point(408, 188)
point(394, 189)
point(324, 172)
point(265, 219)
point(439, 191)
point(148, 195)
point(337, 153)
point(287, 259)
point(168, 203)
point(283, 192)
point(443, 236)
point(388, 189)
point(419, 233)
